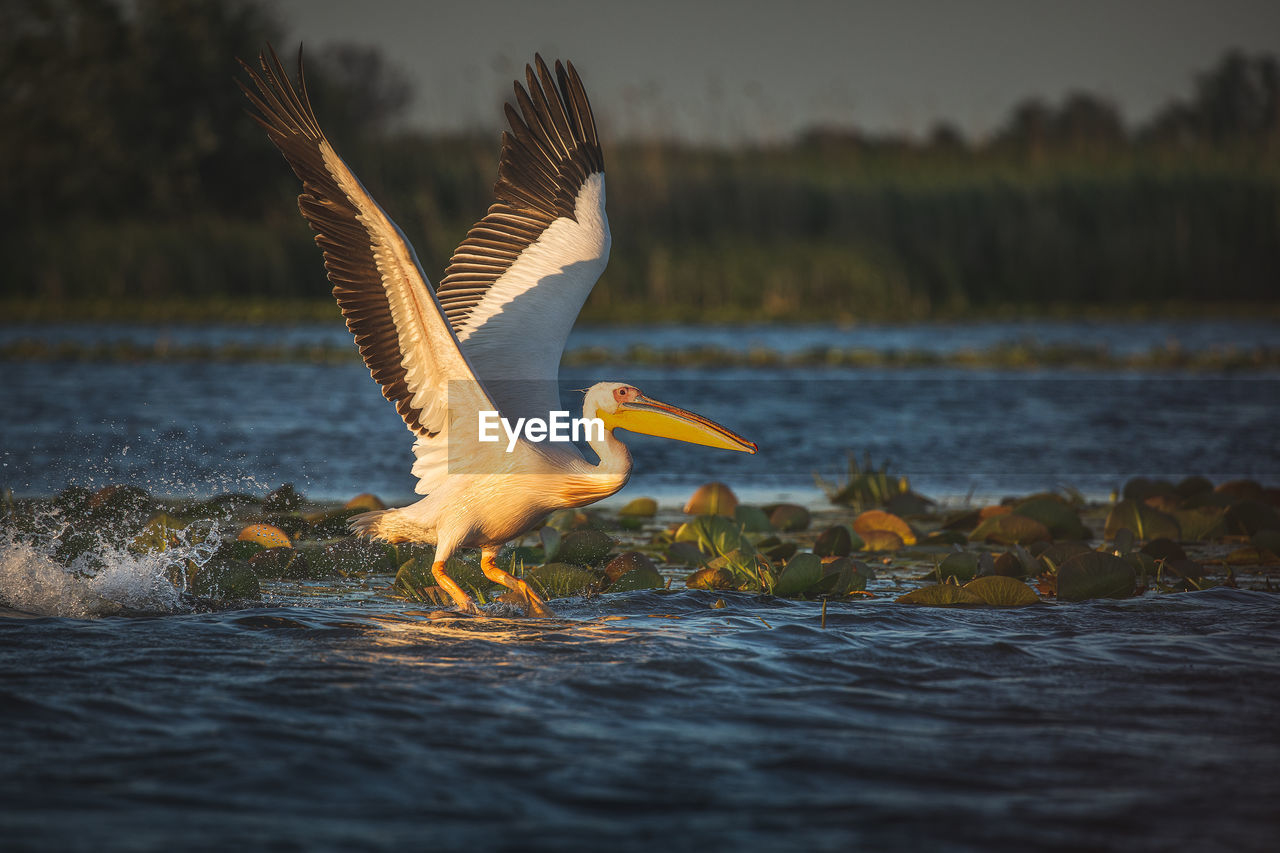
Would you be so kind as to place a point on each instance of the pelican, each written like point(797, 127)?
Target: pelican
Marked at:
point(487, 341)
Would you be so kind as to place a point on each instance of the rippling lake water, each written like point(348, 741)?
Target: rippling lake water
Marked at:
point(649, 720)
point(198, 428)
point(336, 717)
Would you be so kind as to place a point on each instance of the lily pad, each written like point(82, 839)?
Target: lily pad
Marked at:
point(711, 579)
point(714, 534)
point(801, 572)
point(266, 535)
point(788, 517)
point(1000, 591)
point(585, 547)
point(1146, 522)
point(1056, 515)
point(1141, 488)
point(940, 595)
point(841, 576)
point(332, 525)
point(283, 499)
point(1010, 529)
point(837, 541)
point(1144, 565)
point(1059, 552)
point(712, 499)
point(160, 534)
point(777, 549)
point(645, 577)
point(239, 549)
point(282, 562)
point(1095, 575)
point(1244, 490)
point(1164, 549)
point(685, 554)
point(365, 502)
point(1266, 540)
point(961, 565)
point(226, 579)
point(753, 519)
point(640, 508)
point(1250, 516)
point(1183, 568)
point(947, 537)
point(879, 520)
point(117, 508)
point(1191, 487)
point(881, 540)
point(556, 580)
point(627, 561)
point(1201, 523)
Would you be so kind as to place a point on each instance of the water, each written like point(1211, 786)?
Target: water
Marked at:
point(337, 717)
point(1118, 337)
point(205, 428)
point(648, 720)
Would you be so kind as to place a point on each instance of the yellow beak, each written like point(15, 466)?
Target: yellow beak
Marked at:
point(650, 417)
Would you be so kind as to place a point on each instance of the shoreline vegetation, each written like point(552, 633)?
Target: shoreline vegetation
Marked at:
point(1013, 356)
point(878, 538)
point(1063, 208)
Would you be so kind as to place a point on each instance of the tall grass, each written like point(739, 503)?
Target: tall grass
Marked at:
point(789, 233)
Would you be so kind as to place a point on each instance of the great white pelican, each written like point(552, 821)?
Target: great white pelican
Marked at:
point(488, 340)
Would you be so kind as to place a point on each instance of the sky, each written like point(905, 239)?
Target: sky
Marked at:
point(719, 72)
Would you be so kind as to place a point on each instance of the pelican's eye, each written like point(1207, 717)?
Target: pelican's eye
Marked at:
point(625, 394)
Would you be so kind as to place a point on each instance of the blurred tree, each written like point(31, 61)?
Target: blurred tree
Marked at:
point(1240, 99)
point(1087, 123)
point(64, 78)
point(117, 109)
point(945, 136)
point(1028, 129)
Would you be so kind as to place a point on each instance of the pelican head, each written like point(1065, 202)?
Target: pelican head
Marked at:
point(623, 406)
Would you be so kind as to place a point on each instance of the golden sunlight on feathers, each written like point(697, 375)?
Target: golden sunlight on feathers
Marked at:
point(489, 339)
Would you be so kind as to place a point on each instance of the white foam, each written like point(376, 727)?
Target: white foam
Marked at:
point(33, 582)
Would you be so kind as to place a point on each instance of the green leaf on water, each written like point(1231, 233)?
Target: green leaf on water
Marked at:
point(584, 547)
point(640, 508)
point(940, 595)
point(1146, 522)
point(961, 565)
point(837, 541)
point(1059, 519)
point(556, 580)
point(1095, 575)
point(753, 519)
point(1201, 523)
point(1010, 529)
point(645, 577)
point(801, 572)
point(1000, 591)
point(711, 579)
point(714, 534)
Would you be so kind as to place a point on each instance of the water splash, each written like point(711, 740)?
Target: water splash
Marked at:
point(104, 579)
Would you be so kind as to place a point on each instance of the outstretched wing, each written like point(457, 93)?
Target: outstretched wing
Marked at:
point(516, 284)
point(405, 340)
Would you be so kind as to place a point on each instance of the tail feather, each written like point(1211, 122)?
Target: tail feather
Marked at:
point(367, 523)
point(390, 525)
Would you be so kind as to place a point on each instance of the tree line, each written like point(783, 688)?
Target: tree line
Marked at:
point(130, 170)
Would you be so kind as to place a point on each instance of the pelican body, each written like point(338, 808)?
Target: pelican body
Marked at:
point(487, 341)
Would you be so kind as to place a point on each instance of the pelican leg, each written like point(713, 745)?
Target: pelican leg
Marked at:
point(461, 599)
point(524, 595)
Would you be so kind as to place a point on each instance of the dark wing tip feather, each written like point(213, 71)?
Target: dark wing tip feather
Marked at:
point(346, 242)
point(549, 152)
